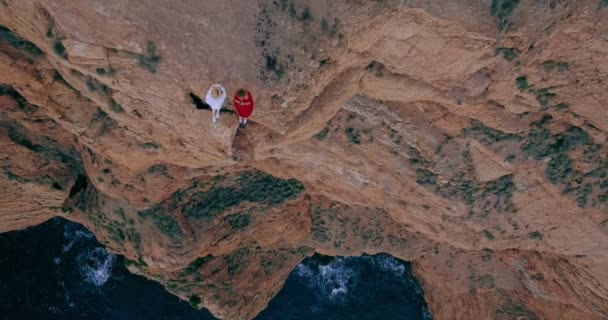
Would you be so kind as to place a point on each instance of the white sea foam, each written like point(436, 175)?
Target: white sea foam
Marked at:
point(74, 235)
point(96, 265)
point(390, 264)
point(332, 282)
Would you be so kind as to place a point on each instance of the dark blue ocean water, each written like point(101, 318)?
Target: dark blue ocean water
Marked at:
point(58, 270)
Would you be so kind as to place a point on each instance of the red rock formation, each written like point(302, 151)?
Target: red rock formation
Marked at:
point(467, 137)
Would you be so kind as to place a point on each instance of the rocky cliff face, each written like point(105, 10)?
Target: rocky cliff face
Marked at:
point(468, 137)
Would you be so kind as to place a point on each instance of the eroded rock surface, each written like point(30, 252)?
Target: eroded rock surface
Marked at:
point(468, 137)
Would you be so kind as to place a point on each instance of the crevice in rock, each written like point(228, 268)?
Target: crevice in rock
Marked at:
point(79, 185)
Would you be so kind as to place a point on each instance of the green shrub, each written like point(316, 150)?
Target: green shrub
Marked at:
point(275, 65)
point(502, 188)
point(425, 177)
point(502, 9)
point(239, 220)
point(236, 260)
point(194, 301)
point(415, 158)
point(508, 53)
point(543, 95)
point(292, 10)
point(550, 66)
point(253, 186)
point(197, 263)
point(488, 234)
point(94, 85)
point(59, 49)
point(306, 16)
point(487, 135)
point(353, 135)
point(324, 25)
point(516, 310)
point(284, 4)
point(114, 106)
point(522, 83)
point(322, 134)
point(30, 49)
point(535, 235)
point(163, 221)
point(151, 59)
point(109, 72)
point(149, 145)
point(159, 168)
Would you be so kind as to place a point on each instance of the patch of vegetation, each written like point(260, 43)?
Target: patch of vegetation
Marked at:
point(253, 186)
point(508, 53)
point(543, 96)
point(46, 147)
point(535, 235)
point(603, 3)
point(239, 221)
point(487, 135)
point(425, 177)
point(488, 234)
point(284, 4)
point(94, 85)
point(149, 145)
point(550, 66)
point(134, 237)
point(306, 16)
point(194, 301)
point(502, 9)
point(58, 77)
point(28, 48)
point(502, 191)
point(353, 135)
point(292, 10)
point(462, 187)
point(163, 221)
point(324, 25)
point(151, 59)
point(322, 134)
point(114, 106)
point(416, 159)
point(197, 263)
point(486, 281)
point(160, 169)
point(560, 169)
point(110, 72)
point(517, 310)
point(522, 83)
point(320, 229)
point(377, 68)
point(275, 65)
point(236, 260)
point(371, 233)
point(6, 90)
point(59, 49)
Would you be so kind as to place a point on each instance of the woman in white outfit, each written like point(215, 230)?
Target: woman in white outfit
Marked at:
point(215, 99)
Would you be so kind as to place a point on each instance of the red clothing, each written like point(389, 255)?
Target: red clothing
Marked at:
point(243, 106)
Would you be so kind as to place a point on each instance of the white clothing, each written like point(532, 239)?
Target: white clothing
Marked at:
point(216, 104)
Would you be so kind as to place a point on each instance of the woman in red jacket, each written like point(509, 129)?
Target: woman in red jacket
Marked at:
point(243, 103)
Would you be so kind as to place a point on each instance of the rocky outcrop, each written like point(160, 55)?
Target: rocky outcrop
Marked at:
point(467, 137)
